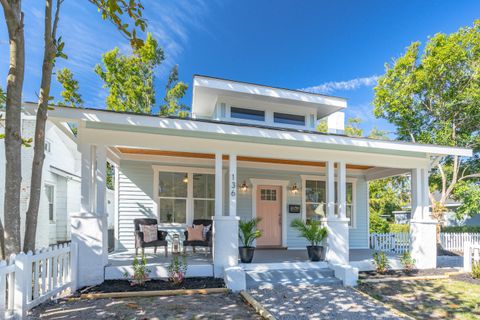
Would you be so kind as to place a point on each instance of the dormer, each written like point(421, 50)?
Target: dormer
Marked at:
point(247, 103)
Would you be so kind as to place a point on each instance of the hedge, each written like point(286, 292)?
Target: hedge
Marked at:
point(460, 229)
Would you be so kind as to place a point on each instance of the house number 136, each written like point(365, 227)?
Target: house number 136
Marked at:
point(233, 186)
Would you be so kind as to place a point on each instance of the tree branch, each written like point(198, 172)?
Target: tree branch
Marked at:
point(469, 176)
point(57, 18)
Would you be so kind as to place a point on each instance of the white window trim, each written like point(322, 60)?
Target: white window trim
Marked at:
point(189, 205)
point(51, 184)
point(353, 181)
point(268, 182)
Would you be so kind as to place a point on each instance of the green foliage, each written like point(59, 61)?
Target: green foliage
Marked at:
point(476, 270)
point(389, 194)
point(322, 126)
point(71, 96)
point(461, 229)
point(248, 231)
point(399, 228)
point(140, 271)
point(117, 10)
point(434, 97)
point(407, 261)
point(175, 90)
point(378, 224)
point(353, 127)
point(110, 176)
point(130, 79)
point(3, 98)
point(468, 193)
point(177, 269)
point(310, 230)
point(381, 263)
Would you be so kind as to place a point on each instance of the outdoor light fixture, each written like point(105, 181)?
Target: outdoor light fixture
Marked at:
point(185, 179)
point(295, 188)
point(244, 186)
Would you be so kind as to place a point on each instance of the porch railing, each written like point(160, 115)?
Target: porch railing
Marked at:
point(390, 242)
point(26, 280)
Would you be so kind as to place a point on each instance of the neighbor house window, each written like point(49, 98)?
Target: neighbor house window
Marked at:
point(248, 114)
point(287, 118)
point(48, 146)
point(172, 194)
point(50, 193)
point(315, 200)
point(203, 196)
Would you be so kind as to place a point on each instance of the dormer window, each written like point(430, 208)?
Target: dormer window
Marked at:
point(286, 118)
point(248, 114)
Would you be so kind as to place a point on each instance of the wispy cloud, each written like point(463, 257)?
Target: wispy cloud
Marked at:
point(353, 84)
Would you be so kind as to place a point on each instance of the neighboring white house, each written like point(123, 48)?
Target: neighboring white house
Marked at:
point(248, 151)
point(61, 182)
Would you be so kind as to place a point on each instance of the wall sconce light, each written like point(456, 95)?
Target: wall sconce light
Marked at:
point(244, 186)
point(295, 188)
point(185, 179)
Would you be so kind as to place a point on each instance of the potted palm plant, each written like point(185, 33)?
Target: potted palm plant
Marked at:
point(315, 234)
point(248, 233)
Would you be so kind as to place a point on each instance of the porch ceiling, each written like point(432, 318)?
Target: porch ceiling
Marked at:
point(151, 152)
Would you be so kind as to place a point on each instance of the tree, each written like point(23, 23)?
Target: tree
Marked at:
point(10, 240)
point(117, 11)
point(434, 97)
point(175, 90)
point(130, 79)
point(71, 96)
point(389, 194)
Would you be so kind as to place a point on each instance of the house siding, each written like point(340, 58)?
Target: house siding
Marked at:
point(136, 201)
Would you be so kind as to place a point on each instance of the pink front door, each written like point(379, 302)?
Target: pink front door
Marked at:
point(269, 209)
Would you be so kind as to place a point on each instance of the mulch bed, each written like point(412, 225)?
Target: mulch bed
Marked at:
point(403, 273)
point(124, 286)
point(465, 277)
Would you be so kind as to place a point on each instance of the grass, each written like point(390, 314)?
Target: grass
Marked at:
point(432, 299)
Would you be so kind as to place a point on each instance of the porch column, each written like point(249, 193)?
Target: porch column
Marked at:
point(89, 227)
point(225, 228)
point(423, 236)
point(337, 225)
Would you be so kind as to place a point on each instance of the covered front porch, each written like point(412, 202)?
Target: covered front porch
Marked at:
point(309, 175)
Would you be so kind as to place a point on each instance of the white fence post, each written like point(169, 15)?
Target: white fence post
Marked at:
point(467, 257)
point(20, 285)
point(73, 260)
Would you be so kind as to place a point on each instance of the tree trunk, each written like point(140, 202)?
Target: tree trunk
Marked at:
point(41, 119)
point(13, 122)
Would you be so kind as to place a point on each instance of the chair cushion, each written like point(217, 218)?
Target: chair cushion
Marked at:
point(195, 233)
point(205, 231)
point(150, 233)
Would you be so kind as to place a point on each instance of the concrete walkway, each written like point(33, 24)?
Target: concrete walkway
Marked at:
point(320, 302)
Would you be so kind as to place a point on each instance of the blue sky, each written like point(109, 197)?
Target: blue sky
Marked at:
point(333, 47)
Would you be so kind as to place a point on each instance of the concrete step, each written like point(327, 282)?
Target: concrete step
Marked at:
point(272, 278)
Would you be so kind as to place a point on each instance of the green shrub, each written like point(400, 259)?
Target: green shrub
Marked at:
point(399, 228)
point(407, 261)
point(380, 261)
point(476, 270)
point(177, 269)
point(378, 224)
point(140, 271)
point(460, 229)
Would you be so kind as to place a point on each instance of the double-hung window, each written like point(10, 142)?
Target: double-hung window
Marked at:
point(50, 193)
point(203, 196)
point(185, 195)
point(315, 200)
point(172, 194)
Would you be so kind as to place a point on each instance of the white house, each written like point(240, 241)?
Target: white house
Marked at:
point(248, 151)
point(61, 182)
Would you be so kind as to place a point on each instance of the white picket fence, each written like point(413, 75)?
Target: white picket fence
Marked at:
point(455, 241)
point(390, 242)
point(471, 254)
point(27, 280)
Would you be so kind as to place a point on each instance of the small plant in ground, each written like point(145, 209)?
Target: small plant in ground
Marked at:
point(177, 269)
point(407, 261)
point(380, 261)
point(140, 271)
point(476, 270)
